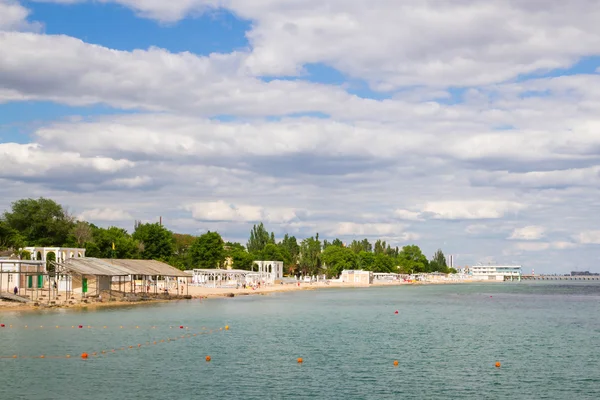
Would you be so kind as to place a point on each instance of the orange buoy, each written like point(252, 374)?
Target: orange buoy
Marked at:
point(68, 356)
point(15, 356)
point(42, 356)
point(226, 327)
point(139, 345)
point(395, 363)
point(300, 360)
point(84, 355)
point(208, 358)
point(498, 365)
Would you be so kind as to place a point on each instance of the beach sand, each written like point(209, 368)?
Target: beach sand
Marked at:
point(206, 292)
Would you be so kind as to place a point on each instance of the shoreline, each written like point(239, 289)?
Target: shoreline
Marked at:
point(200, 293)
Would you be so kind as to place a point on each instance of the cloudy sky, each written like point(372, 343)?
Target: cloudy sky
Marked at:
point(467, 125)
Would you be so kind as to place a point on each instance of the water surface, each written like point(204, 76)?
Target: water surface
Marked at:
point(446, 339)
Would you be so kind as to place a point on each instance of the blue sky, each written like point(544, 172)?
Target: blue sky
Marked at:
point(440, 126)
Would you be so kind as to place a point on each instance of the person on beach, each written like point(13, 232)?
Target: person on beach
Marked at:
point(16, 290)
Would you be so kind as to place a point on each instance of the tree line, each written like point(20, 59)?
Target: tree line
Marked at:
point(43, 222)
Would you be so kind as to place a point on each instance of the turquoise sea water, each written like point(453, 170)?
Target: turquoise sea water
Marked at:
point(445, 338)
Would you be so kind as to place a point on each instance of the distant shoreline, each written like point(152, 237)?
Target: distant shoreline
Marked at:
point(199, 293)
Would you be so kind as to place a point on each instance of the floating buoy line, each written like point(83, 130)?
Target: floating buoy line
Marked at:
point(88, 355)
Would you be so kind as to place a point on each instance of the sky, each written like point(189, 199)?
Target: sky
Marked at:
point(469, 126)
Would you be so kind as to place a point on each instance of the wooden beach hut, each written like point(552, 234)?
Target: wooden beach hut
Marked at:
point(90, 276)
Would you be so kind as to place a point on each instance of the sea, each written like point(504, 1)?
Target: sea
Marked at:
point(446, 340)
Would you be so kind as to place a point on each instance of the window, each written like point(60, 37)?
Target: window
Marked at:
point(10, 278)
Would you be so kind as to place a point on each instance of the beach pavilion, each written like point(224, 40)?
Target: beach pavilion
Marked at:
point(26, 275)
point(219, 277)
point(90, 276)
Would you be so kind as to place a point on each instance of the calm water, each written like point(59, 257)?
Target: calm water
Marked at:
point(446, 339)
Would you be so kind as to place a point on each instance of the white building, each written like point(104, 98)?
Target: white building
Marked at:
point(269, 271)
point(21, 274)
point(357, 276)
point(496, 272)
point(61, 254)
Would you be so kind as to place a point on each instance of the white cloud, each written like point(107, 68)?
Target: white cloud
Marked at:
point(588, 237)
point(517, 154)
point(222, 211)
point(528, 233)
point(13, 17)
point(137, 181)
point(33, 160)
point(541, 246)
point(472, 209)
point(375, 229)
point(477, 229)
point(465, 43)
point(408, 215)
point(105, 214)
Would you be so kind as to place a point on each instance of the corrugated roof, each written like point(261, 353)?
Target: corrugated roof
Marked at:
point(119, 267)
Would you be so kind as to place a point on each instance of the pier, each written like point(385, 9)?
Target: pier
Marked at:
point(560, 277)
point(13, 297)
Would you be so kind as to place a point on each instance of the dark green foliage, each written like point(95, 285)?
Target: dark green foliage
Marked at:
point(43, 222)
point(40, 222)
point(337, 259)
point(259, 238)
point(438, 263)
point(411, 260)
point(156, 241)
point(208, 251)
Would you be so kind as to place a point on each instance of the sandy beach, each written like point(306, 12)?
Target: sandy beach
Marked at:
point(199, 292)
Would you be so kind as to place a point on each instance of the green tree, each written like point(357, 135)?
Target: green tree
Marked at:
point(337, 242)
point(310, 251)
point(380, 247)
point(157, 241)
point(290, 250)
point(438, 263)
point(41, 222)
point(102, 241)
point(259, 238)
point(81, 233)
point(336, 259)
point(384, 263)
point(412, 260)
point(208, 251)
point(366, 260)
point(240, 257)
point(9, 237)
point(271, 252)
point(181, 253)
point(363, 245)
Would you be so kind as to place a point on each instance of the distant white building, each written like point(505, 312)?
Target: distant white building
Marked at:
point(61, 254)
point(357, 276)
point(496, 272)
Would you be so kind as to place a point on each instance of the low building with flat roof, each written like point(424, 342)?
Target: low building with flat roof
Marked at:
point(496, 272)
point(357, 276)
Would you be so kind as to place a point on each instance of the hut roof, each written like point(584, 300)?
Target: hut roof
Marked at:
point(119, 267)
